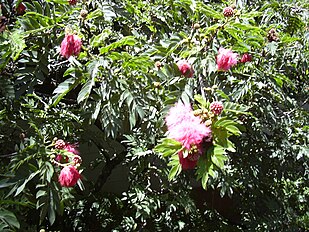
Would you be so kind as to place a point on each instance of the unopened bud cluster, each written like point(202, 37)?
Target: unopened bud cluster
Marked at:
point(216, 107)
point(228, 11)
point(72, 2)
point(272, 35)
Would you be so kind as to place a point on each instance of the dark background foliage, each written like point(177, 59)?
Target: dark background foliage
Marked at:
point(112, 100)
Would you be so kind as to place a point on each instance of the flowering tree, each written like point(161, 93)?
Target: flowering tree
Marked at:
point(199, 104)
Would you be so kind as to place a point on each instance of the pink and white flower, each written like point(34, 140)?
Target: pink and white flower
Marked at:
point(178, 114)
point(71, 148)
point(189, 130)
point(69, 176)
point(185, 68)
point(71, 45)
point(246, 58)
point(59, 144)
point(226, 59)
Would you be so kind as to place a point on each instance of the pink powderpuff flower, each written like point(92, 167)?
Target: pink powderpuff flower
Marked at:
point(216, 107)
point(178, 114)
point(187, 129)
point(71, 148)
point(69, 176)
point(190, 133)
point(246, 58)
point(184, 127)
point(71, 45)
point(185, 68)
point(226, 59)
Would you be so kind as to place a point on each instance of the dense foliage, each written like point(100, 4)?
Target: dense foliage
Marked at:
point(111, 92)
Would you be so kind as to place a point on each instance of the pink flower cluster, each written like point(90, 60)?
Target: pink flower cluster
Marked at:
point(60, 144)
point(185, 68)
point(226, 59)
point(69, 175)
point(246, 58)
point(71, 45)
point(187, 129)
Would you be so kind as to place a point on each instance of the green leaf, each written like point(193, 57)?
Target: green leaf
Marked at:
point(21, 188)
point(235, 108)
point(128, 40)
point(175, 170)
point(168, 147)
point(98, 40)
point(200, 99)
point(204, 180)
point(126, 96)
point(64, 88)
point(9, 218)
point(86, 90)
point(218, 157)
point(251, 14)
point(272, 47)
point(223, 122)
point(95, 14)
point(233, 129)
point(51, 210)
point(49, 171)
point(209, 11)
point(17, 43)
point(246, 27)
point(40, 193)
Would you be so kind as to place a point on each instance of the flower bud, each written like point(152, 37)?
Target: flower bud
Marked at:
point(185, 68)
point(228, 11)
point(158, 64)
point(196, 26)
point(83, 13)
point(216, 107)
point(72, 2)
point(156, 84)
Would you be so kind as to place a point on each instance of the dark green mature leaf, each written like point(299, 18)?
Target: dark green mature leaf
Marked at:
point(17, 44)
point(86, 90)
point(64, 88)
point(8, 219)
point(51, 209)
point(21, 187)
